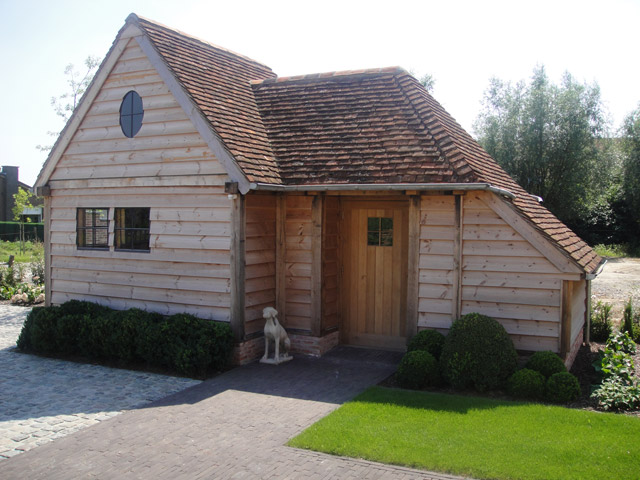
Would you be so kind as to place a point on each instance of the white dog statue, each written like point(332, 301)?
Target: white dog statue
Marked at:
point(274, 332)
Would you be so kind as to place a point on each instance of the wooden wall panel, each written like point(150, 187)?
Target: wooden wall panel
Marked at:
point(507, 278)
point(330, 264)
point(502, 274)
point(166, 167)
point(260, 246)
point(186, 270)
point(298, 260)
point(166, 145)
point(436, 262)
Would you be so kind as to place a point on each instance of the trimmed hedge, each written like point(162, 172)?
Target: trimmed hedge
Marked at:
point(477, 353)
point(181, 343)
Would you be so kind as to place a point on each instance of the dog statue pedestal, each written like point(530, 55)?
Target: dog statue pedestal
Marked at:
point(274, 332)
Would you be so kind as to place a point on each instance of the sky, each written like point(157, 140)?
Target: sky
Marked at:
point(462, 44)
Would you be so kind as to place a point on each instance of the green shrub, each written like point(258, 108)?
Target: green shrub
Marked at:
point(81, 307)
point(67, 328)
point(24, 339)
point(43, 330)
point(612, 363)
point(152, 331)
point(601, 326)
point(562, 387)
point(196, 344)
point(181, 343)
point(616, 394)
point(477, 353)
point(126, 333)
point(428, 340)
point(621, 342)
point(547, 363)
point(417, 369)
point(526, 383)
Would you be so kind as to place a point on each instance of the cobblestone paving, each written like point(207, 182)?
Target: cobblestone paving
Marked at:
point(43, 399)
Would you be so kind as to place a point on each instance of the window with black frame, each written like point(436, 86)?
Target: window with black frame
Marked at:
point(92, 228)
point(132, 229)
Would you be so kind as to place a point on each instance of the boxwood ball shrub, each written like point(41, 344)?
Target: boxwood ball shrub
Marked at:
point(417, 369)
point(428, 340)
point(547, 363)
point(562, 387)
point(526, 383)
point(477, 353)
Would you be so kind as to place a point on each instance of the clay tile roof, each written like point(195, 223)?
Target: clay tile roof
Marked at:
point(364, 126)
point(381, 126)
point(218, 82)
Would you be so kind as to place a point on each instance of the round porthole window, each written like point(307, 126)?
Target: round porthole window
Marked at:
point(131, 113)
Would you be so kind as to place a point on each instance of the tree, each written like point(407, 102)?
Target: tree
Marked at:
point(428, 82)
point(549, 139)
point(21, 201)
point(65, 104)
point(631, 176)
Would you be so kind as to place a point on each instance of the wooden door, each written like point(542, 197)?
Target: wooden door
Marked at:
point(374, 273)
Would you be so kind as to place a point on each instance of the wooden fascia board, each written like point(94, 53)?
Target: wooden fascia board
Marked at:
point(81, 110)
point(541, 243)
point(193, 112)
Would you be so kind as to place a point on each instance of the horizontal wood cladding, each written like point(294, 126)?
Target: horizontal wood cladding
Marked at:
point(436, 262)
point(502, 275)
point(186, 270)
point(298, 261)
point(168, 144)
point(260, 259)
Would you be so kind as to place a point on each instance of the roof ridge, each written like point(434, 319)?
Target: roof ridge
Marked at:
point(135, 18)
point(337, 73)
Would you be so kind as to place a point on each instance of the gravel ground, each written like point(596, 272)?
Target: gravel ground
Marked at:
point(618, 281)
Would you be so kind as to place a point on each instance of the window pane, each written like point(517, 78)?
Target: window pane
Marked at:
point(92, 227)
point(126, 107)
point(373, 238)
point(386, 223)
point(373, 224)
point(101, 218)
point(386, 238)
point(136, 124)
point(102, 237)
point(132, 228)
point(125, 123)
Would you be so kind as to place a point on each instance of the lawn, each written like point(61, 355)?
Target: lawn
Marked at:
point(479, 437)
point(34, 251)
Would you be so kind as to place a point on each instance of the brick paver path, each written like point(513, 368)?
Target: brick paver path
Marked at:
point(232, 426)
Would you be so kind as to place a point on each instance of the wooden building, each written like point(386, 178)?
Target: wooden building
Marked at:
point(193, 179)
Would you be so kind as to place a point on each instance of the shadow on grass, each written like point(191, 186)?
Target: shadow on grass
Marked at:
point(437, 402)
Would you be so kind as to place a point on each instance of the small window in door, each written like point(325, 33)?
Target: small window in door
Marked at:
point(380, 231)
